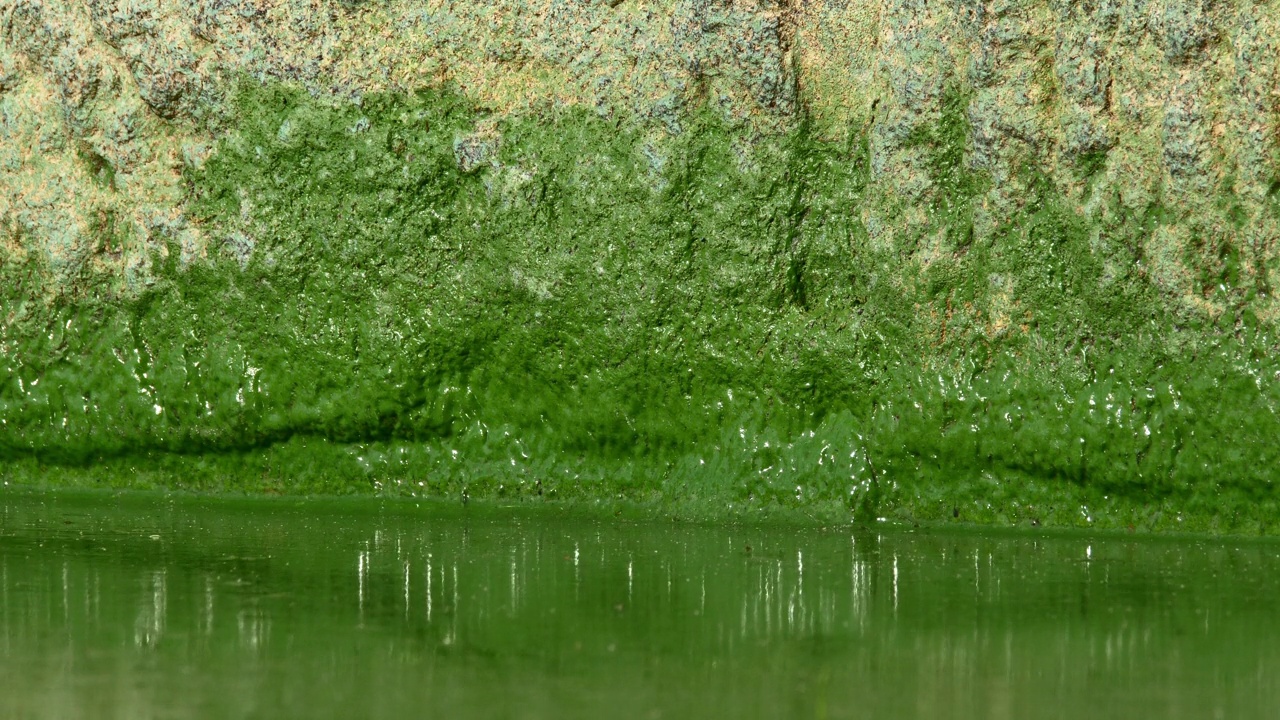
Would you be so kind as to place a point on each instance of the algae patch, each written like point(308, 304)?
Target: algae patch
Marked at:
point(410, 296)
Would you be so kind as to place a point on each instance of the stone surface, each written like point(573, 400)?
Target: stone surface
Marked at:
point(1144, 131)
point(1171, 101)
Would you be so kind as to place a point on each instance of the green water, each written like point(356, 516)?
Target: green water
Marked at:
point(142, 606)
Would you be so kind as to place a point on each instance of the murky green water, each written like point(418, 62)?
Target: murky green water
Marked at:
point(147, 607)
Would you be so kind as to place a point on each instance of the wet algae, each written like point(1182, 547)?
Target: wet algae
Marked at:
point(413, 296)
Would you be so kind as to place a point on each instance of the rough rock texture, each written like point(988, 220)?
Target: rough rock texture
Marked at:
point(1055, 188)
point(119, 97)
point(1119, 104)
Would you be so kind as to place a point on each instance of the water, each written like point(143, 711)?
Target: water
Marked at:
point(152, 607)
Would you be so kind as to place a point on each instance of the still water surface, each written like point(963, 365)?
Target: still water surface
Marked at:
point(152, 607)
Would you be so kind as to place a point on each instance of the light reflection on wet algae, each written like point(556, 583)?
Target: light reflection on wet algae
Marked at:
point(149, 606)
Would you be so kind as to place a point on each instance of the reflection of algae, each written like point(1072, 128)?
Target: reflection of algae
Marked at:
point(711, 333)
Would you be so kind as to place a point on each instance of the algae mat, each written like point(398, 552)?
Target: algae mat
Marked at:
point(1005, 263)
point(149, 606)
point(565, 311)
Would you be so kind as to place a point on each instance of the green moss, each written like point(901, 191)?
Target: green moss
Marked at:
point(411, 300)
point(1089, 164)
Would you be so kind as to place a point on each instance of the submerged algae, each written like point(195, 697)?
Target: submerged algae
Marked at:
point(413, 298)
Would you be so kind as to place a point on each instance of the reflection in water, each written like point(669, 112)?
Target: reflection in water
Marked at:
point(206, 616)
point(149, 626)
point(306, 613)
point(254, 627)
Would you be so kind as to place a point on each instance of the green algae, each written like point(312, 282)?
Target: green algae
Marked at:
point(412, 298)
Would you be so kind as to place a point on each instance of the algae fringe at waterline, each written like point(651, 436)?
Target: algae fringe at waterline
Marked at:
point(414, 298)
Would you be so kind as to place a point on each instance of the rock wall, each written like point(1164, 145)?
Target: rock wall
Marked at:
point(837, 208)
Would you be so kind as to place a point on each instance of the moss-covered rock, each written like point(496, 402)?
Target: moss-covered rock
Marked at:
point(994, 262)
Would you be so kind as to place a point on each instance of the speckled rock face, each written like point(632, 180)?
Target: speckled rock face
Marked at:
point(879, 191)
point(105, 103)
point(1175, 102)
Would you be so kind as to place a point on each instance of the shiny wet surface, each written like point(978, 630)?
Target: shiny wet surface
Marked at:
point(151, 607)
